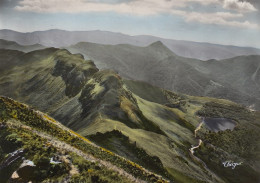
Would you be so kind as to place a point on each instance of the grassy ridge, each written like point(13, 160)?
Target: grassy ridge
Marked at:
point(114, 139)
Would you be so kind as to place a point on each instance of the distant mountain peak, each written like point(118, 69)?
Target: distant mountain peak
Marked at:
point(158, 45)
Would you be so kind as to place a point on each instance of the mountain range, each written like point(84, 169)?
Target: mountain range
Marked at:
point(160, 130)
point(62, 38)
point(236, 79)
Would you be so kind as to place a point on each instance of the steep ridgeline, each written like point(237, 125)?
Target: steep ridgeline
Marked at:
point(235, 79)
point(146, 124)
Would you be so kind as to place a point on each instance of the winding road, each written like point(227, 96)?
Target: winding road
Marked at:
point(195, 134)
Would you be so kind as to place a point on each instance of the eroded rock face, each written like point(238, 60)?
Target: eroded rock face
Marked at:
point(99, 88)
point(74, 74)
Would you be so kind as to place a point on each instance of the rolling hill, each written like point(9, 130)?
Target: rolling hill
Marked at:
point(148, 125)
point(61, 38)
point(11, 45)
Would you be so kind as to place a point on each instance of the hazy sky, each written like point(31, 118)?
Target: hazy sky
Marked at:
point(217, 21)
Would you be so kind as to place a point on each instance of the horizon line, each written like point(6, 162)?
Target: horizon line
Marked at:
point(126, 34)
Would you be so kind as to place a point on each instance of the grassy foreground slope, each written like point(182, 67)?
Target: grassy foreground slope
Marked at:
point(146, 124)
point(27, 134)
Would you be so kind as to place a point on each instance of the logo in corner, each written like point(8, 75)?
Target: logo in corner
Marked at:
point(231, 164)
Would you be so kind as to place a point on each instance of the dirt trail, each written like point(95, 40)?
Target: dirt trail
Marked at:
point(198, 128)
point(195, 158)
point(195, 134)
point(195, 147)
point(104, 163)
point(64, 146)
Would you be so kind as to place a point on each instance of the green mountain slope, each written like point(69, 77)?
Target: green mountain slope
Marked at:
point(157, 65)
point(146, 124)
point(123, 58)
point(8, 59)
